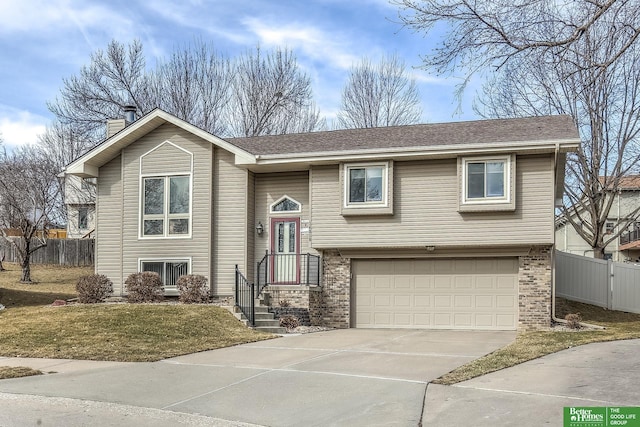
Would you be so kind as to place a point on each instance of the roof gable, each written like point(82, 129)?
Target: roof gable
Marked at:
point(88, 164)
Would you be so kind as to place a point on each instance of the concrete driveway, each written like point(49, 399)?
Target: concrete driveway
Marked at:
point(354, 377)
point(534, 393)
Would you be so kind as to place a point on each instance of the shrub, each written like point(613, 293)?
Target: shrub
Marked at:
point(144, 287)
point(573, 320)
point(289, 322)
point(193, 289)
point(93, 288)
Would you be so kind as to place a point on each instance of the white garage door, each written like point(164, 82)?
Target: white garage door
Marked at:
point(440, 294)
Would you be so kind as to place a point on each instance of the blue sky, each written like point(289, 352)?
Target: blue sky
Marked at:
point(44, 41)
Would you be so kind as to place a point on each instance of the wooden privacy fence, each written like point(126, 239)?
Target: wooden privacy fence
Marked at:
point(70, 252)
point(607, 284)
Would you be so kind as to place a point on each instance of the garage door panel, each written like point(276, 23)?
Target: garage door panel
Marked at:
point(423, 282)
point(421, 301)
point(462, 320)
point(485, 282)
point(444, 293)
point(462, 301)
point(463, 282)
point(442, 301)
point(442, 282)
point(402, 282)
point(382, 301)
point(484, 301)
point(506, 282)
point(382, 282)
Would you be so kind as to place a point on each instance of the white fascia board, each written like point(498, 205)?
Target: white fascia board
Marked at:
point(122, 138)
point(83, 170)
point(423, 152)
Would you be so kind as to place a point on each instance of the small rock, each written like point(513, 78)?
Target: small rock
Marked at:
point(2, 307)
point(58, 303)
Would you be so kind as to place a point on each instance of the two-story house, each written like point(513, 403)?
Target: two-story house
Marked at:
point(447, 225)
point(624, 209)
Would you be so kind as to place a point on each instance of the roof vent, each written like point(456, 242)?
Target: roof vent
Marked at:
point(130, 113)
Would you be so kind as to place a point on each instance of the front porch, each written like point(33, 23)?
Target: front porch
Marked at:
point(286, 284)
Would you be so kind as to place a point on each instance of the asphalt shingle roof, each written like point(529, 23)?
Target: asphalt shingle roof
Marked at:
point(424, 135)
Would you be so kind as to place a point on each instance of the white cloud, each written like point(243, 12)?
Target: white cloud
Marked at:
point(19, 127)
point(309, 41)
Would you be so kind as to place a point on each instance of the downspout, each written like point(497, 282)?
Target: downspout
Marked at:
point(553, 250)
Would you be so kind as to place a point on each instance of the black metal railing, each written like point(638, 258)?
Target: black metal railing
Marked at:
point(245, 297)
point(629, 237)
point(288, 269)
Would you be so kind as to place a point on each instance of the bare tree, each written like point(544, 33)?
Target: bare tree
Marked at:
point(379, 95)
point(258, 93)
point(605, 104)
point(115, 78)
point(30, 197)
point(194, 84)
point(268, 90)
point(486, 34)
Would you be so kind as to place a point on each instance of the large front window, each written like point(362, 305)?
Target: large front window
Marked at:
point(169, 271)
point(166, 206)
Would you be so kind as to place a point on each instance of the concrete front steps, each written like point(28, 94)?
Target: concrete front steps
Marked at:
point(265, 320)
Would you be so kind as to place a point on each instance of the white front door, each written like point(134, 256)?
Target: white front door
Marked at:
point(285, 249)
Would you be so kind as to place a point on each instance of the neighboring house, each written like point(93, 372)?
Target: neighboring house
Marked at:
point(624, 249)
point(425, 226)
point(80, 200)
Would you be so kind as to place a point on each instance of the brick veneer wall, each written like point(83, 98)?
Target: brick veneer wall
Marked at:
point(336, 295)
point(534, 278)
point(297, 298)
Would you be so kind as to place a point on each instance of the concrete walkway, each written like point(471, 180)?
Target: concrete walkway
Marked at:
point(535, 393)
point(351, 377)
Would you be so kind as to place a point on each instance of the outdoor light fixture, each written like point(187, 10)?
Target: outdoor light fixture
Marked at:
point(259, 228)
point(430, 248)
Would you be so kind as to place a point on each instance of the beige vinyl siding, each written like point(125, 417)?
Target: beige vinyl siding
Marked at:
point(109, 227)
point(196, 247)
point(426, 210)
point(166, 157)
point(270, 187)
point(251, 225)
point(230, 220)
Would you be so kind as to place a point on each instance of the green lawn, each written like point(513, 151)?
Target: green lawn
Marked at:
point(31, 327)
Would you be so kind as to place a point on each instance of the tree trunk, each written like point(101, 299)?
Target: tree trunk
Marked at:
point(1, 261)
point(598, 253)
point(26, 263)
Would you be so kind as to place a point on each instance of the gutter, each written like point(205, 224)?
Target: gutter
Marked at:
point(399, 152)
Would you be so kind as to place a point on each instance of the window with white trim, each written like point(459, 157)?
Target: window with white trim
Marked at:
point(166, 206)
point(487, 183)
point(169, 270)
point(285, 204)
point(366, 184)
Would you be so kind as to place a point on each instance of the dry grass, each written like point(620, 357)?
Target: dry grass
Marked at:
point(50, 283)
point(7, 372)
point(31, 327)
point(531, 345)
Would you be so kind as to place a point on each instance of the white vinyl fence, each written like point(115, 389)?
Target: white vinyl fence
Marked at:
point(607, 284)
